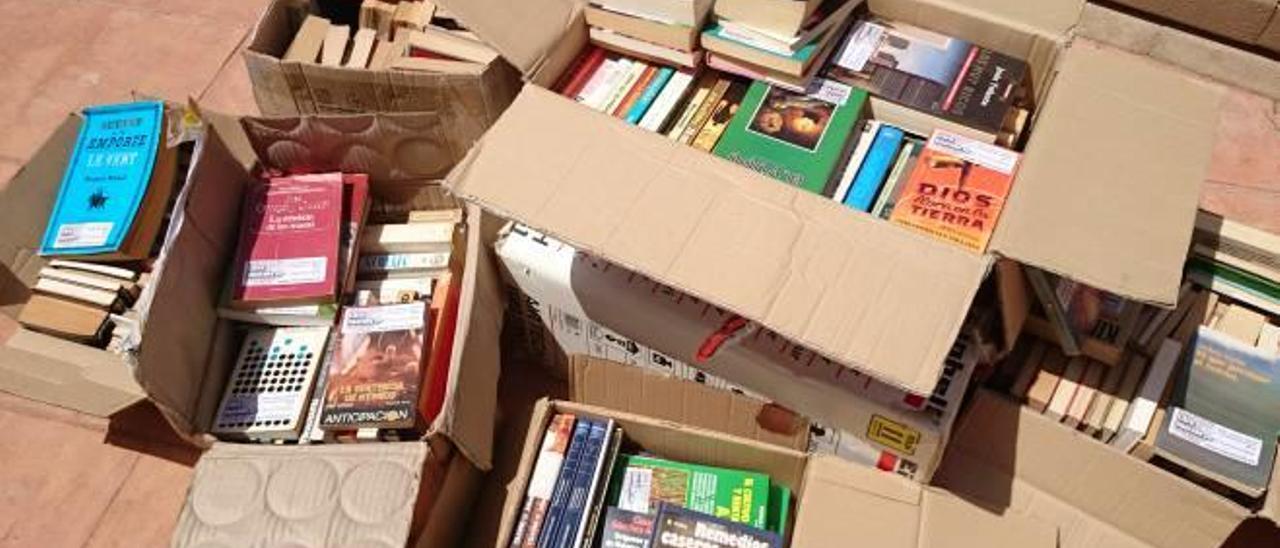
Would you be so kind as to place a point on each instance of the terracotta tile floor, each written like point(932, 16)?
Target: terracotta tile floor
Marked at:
point(68, 479)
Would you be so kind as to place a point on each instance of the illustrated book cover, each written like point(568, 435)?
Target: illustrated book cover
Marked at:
point(376, 375)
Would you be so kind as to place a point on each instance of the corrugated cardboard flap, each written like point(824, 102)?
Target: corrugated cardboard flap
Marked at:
point(1050, 18)
point(523, 32)
point(859, 291)
point(841, 498)
point(1108, 187)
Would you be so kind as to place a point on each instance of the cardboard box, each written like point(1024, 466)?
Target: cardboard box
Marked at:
point(834, 501)
point(1017, 462)
point(465, 104)
point(577, 296)
point(1112, 131)
point(1247, 22)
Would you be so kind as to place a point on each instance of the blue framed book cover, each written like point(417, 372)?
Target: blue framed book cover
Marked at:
point(871, 176)
point(106, 179)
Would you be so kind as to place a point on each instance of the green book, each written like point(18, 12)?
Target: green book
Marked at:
point(796, 138)
point(779, 514)
point(640, 483)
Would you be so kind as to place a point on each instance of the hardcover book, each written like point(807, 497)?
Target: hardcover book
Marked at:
point(542, 482)
point(641, 483)
point(289, 233)
point(1223, 421)
point(795, 138)
point(116, 187)
point(677, 527)
point(931, 72)
point(957, 190)
point(376, 375)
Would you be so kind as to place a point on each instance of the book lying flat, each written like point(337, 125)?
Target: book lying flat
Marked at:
point(677, 527)
point(641, 484)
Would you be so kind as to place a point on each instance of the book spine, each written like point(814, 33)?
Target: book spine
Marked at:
point(598, 90)
point(584, 479)
point(1053, 309)
point(546, 470)
point(637, 89)
point(865, 138)
point(704, 111)
point(646, 99)
point(893, 194)
point(871, 175)
point(623, 86)
point(595, 499)
point(691, 107)
point(891, 184)
point(396, 262)
point(660, 111)
point(553, 521)
point(577, 76)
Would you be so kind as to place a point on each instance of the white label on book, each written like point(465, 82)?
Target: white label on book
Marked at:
point(262, 407)
point(272, 272)
point(862, 44)
point(389, 317)
point(637, 484)
point(82, 235)
point(830, 91)
point(1215, 437)
point(977, 152)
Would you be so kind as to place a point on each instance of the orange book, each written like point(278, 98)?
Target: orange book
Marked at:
point(629, 100)
point(957, 190)
point(444, 320)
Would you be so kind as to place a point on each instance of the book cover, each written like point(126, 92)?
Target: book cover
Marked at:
point(931, 72)
point(957, 190)
point(838, 187)
point(721, 114)
point(689, 107)
point(269, 389)
point(646, 98)
point(874, 170)
point(554, 519)
point(1223, 420)
point(794, 138)
point(701, 115)
point(288, 248)
point(637, 89)
point(375, 378)
point(542, 481)
point(676, 527)
point(657, 115)
point(106, 179)
point(589, 470)
point(641, 483)
point(624, 529)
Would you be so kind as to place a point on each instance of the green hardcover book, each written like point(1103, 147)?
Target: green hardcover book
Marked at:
point(641, 483)
point(779, 510)
point(795, 138)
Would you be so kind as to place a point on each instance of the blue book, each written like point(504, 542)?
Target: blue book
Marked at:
point(875, 168)
point(584, 480)
point(650, 93)
point(106, 180)
point(554, 519)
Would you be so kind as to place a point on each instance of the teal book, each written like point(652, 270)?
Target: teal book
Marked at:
point(106, 179)
point(1224, 414)
point(875, 168)
point(801, 55)
point(796, 138)
point(650, 93)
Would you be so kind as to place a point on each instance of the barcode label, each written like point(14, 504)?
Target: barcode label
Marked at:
point(82, 235)
point(273, 272)
point(637, 484)
point(1206, 434)
point(862, 44)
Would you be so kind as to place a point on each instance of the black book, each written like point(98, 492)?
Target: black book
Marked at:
point(676, 527)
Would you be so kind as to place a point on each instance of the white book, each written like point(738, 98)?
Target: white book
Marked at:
point(1269, 339)
point(335, 45)
point(87, 279)
point(407, 238)
point(624, 86)
point(617, 71)
point(666, 101)
point(90, 295)
point(645, 50)
point(1143, 407)
point(361, 48)
point(113, 271)
point(591, 89)
point(402, 262)
point(868, 135)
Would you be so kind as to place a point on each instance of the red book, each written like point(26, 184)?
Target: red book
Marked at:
point(636, 91)
point(355, 206)
point(444, 322)
point(288, 249)
point(581, 70)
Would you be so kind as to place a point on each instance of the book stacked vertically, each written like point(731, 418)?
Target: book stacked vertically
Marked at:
point(781, 42)
point(105, 227)
point(587, 490)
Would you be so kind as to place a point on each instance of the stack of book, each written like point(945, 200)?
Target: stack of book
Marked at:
point(661, 32)
point(781, 42)
point(1236, 260)
point(102, 237)
point(1084, 320)
point(408, 35)
point(586, 490)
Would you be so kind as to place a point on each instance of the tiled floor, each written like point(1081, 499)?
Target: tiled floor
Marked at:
point(67, 479)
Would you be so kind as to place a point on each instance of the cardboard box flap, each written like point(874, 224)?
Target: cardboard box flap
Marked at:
point(388, 146)
point(305, 496)
point(1049, 18)
point(1108, 188)
point(603, 383)
point(859, 291)
point(523, 32)
point(840, 498)
point(1017, 461)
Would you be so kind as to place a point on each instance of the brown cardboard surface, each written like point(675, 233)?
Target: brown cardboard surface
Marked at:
point(357, 494)
point(1239, 20)
point(1108, 188)
point(1015, 461)
point(772, 253)
point(603, 383)
point(523, 32)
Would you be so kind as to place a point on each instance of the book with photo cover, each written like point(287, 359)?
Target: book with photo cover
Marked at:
point(546, 470)
point(796, 138)
point(626, 529)
point(375, 378)
point(640, 483)
point(677, 527)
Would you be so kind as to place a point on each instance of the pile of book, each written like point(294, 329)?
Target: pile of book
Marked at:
point(102, 238)
point(662, 32)
point(589, 488)
point(409, 35)
point(804, 122)
point(315, 250)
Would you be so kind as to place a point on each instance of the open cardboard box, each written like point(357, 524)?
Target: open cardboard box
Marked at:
point(469, 103)
point(835, 502)
point(1247, 22)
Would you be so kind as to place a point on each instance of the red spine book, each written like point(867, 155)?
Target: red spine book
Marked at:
point(444, 321)
point(636, 91)
point(555, 442)
point(581, 70)
point(288, 249)
point(355, 207)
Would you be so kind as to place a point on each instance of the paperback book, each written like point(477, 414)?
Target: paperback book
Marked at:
point(677, 527)
point(642, 483)
point(375, 378)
